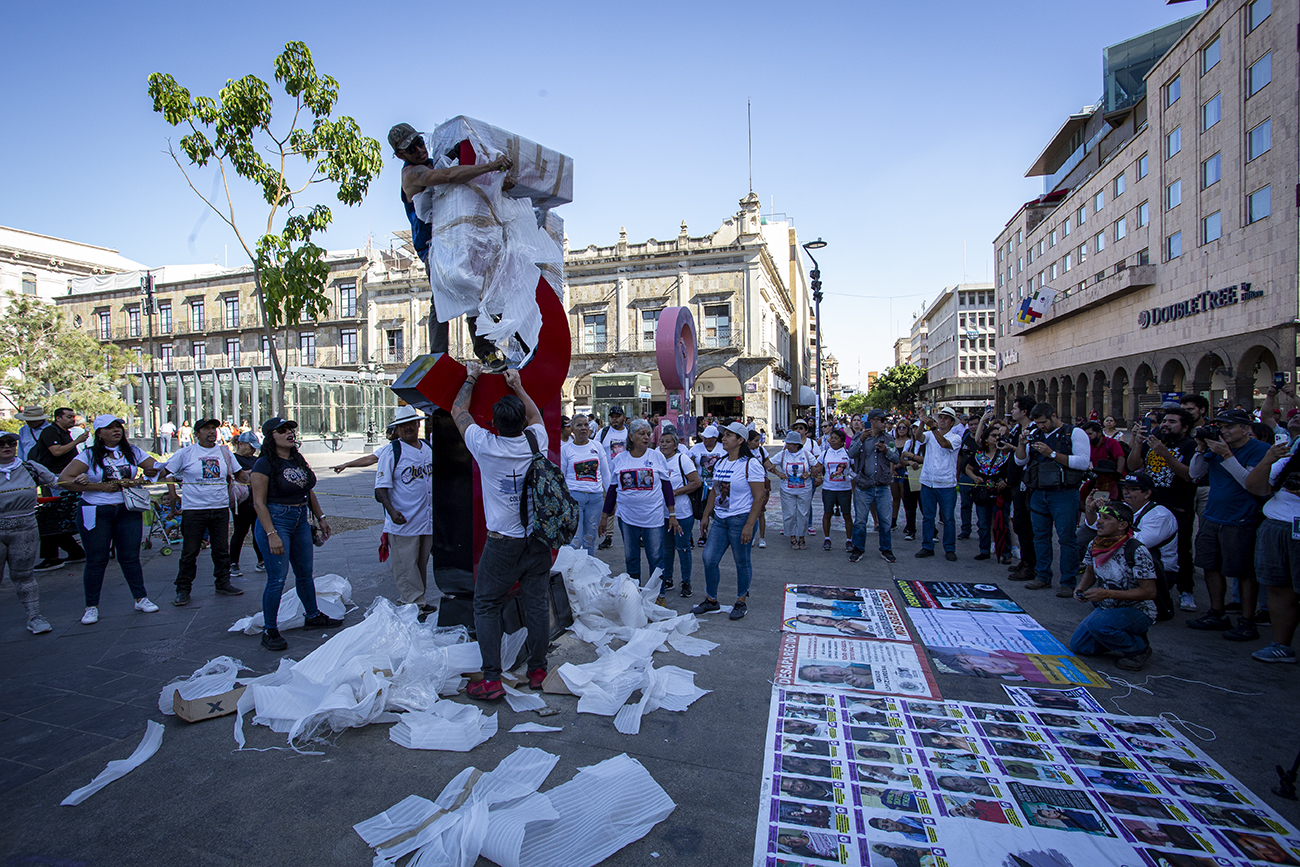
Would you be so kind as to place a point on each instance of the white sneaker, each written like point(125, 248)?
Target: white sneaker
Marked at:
point(91, 616)
point(762, 543)
point(145, 605)
point(38, 624)
point(1187, 602)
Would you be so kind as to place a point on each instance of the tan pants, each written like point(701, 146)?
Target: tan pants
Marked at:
point(409, 558)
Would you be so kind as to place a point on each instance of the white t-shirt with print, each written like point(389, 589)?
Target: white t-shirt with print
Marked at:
point(502, 464)
point(410, 487)
point(679, 467)
point(614, 441)
point(797, 467)
point(203, 474)
point(939, 468)
point(839, 475)
point(586, 467)
point(706, 459)
point(117, 467)
point(731, 480)
point(640, 481)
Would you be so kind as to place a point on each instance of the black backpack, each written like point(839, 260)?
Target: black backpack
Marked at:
point(555, 512)
point(1164, 600)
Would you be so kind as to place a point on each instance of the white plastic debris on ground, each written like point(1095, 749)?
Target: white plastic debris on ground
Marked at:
point(576, 824)
point(149, 744)
point(215, 678)
point(388, 662)
point(446, 725)
point(333, 596)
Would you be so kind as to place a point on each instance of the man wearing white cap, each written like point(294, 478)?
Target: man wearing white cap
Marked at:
point(34, 421)
point(404, 487)
point(706, 455)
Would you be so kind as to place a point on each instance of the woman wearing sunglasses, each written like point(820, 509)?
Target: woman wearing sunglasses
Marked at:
point(19, 537)
point(282, 489)
point(1119, 579)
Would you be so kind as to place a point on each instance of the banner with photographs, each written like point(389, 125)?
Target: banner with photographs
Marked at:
point(956, 596)
point(846, 611)
point(895, 782)
point(854, 665)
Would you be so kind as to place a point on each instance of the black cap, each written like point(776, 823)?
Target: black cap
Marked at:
point(616, 410)
point(1233, 416)
point(204, 422)
point(274, 424)
point(1120, 511)
point(1138, 480)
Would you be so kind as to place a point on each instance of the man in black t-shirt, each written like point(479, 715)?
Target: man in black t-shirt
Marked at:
point(55, 448)
point(1165, 454)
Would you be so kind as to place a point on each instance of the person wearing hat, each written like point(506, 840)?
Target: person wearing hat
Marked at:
point(283, 492)
point(1119, 579)
point(939, 482)
point(1225, 542)
point(404, 487)
point(794, 466)
point(418, 174)
point(706, 455)
point(20, 481)
point(1055, 456)
point(55, 449)
point(734, 501)
point(802, 427)
point(246, 446)
point(205, 470)
point(613, 437)
point(874, 457)
point(837, 489)
point(99, 474)
point(34, 422)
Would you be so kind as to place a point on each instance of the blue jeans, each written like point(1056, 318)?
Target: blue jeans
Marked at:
point(122, 528)
point(652, 538)
point(1119, 629)
point(934, 500)
point(589, 507)
point(863, 499)
point(725, 533)
point(1059, 508)
point(290, 522)
point(964, 488)
point(682, 545)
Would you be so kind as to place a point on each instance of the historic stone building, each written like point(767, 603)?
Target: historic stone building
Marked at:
point(1167, 227)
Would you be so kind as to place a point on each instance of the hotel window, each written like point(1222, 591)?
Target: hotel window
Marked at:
point(1211, 113)
point(1173, 90)
point(1053, 238)
point(29, 283)
point(1212, 227)
point(1259, 74)
point(1259, 10)
point(1143, 214)
point(1210, 172)
point(199, 352)
point(983, 361)
point(307, 348)
point(1210, 56)
point(1020, 264)
point(1119, 185)
point(264, 357)
point(1144, 256)
point(1259, 204)
point(1082, 216)
point(133, 321)
point(1174, 246)
point(1099, 242)
point(1053, 271)
point(1173, 195)
point(1019, 236)
point(1173, 142)
point(1065, 230)
point(1121, 228)
point(1099, 202)
point(963, 364)
point(396, 339)
point(1259, 139)
point(1000, 252)
point(1040, 246)
point(1082, 253)
point(1067, 263)
point(593, 332)
point(348, 345)
point(1031, 255)
point(232, 351)
point(1142, 167)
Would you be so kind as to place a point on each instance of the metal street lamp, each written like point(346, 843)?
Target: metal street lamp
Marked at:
point(816, 276)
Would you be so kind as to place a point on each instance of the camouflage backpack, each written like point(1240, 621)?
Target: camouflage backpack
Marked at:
point(555, 512)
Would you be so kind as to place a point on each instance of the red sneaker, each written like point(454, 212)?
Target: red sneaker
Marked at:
point(485, 690)
point(536, 677)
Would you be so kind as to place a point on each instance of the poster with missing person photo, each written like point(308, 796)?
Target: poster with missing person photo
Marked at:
point(956, 596)
point(844, 611)
point(862, 779)
point(854, 665)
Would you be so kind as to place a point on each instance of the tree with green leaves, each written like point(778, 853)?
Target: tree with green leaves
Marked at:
point(43, 360)
point(289, 271)
point(899, 387)
point(853, 404)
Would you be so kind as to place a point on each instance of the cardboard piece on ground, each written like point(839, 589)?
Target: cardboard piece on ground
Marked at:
point(555, 685)
point(206, 707)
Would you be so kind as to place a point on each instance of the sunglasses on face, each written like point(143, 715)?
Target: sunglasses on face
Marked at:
point(8, 444)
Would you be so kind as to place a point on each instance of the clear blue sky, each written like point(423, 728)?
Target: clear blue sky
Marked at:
point(899, 132)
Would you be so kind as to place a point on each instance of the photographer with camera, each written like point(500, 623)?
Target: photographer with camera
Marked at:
point(1225, 544)
point(939, 482)
point(1055, 456)
point(1021, 522)
point(1165, 455)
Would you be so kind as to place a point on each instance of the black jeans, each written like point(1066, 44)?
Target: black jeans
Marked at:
point(244, 520)
point(51, 545)
point(194, 524)
point(505, 561)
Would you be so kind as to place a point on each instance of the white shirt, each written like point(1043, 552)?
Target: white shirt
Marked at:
point(614, 441)
point(731, 479)
point(502, 464)
point(1155, 524)
point(410, 488)
point(640, 481)
point(797, 467)
point(1283, 506)
point(838, 474)
point(203, 474)
point(117, 468)
point(586, 467)
point(679, 467)
point(939, 468)
point(706, 459)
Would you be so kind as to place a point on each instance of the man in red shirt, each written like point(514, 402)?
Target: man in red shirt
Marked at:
point(1103, 447)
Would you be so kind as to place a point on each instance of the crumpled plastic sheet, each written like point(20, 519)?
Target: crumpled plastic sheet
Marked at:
point(606, 607)
point(216, 677)
point(577, 824)
point(388, 662)
point(524, 728)
point(444, 726)
point(522, 701)
point(119, 768)
point(333, 596)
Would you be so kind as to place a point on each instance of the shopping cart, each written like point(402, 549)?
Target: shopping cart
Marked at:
point(162, 523)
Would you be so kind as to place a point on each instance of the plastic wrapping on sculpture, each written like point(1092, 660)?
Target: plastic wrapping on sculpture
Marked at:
point(537, 173)
point(333, 596)
point(215, 678)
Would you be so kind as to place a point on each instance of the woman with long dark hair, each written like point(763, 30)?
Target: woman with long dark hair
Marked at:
point(989, 468)
point(735, 500)
point(282, 489)
point(100, 474)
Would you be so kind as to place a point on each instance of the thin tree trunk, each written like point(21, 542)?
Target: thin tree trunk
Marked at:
point(277, 393)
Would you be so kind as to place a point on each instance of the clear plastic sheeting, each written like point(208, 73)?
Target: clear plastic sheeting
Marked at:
point(523, 701)
point(333, 596)
point(606, 607)
point(215, 678)
point(577, 824)
point(537, 173)
point(149, 745)
point(527, 728)
point(444, 726)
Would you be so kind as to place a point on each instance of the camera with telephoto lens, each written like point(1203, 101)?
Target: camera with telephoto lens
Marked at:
point(1206, 432)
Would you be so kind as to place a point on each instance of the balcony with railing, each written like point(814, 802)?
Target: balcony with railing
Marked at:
point(583, 345)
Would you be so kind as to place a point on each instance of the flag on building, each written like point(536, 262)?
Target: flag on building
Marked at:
point(1035, 306)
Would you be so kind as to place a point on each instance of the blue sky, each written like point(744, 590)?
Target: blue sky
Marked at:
point(899, 132)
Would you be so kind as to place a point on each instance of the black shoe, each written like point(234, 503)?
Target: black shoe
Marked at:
point(1213, 621)
point(47, 565)
point(888, 557)
point(983, 555)
point(826, 546)
point(909, 537)
point(963, 535)
point(1262, 616)
point(950, 556)
point(738, 610)
point(607, 542)
point(686, 590)
point(925, 552)
point(667, 585)
point(855, 555)
point(271, 640)
point(1244, 631)
point(229, 590)
point(321, 621)
point(182, 598)
point(1233, 608)
point(493, 363)
point(706, 607)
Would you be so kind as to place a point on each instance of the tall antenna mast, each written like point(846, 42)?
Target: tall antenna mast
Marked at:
point(749, 113)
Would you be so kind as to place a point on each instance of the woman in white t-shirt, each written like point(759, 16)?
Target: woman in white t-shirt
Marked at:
point(734, 502)
point(794, 466)
point(1277, 548)
point(100, 473)
point(586, 471)
point(641, 496)
point(684, 478)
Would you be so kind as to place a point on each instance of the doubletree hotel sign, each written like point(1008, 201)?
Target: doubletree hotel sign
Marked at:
point(1197, 304)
